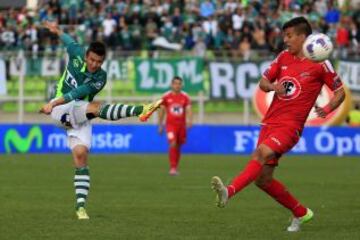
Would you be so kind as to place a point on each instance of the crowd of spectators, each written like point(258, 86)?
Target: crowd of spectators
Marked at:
point(238, 28)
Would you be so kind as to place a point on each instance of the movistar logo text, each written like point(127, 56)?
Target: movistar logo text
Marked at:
point(23, 144)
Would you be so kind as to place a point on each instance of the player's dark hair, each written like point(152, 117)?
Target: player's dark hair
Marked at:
point(177, 78)
point(98, 48)
point(300, 24)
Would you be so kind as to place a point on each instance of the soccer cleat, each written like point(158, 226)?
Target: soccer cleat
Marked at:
point(296, 222)
point(173, 172)
point(81, 213)
point(149, 109)
point(221, 191)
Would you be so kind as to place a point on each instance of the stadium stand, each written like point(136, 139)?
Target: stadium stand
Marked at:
point(237, 30)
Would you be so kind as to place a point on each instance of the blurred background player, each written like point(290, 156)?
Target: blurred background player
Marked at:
point(73, 107)
point(297, 83)
point(177, 107)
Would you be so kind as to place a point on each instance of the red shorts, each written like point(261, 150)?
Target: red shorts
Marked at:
point(280, 139)
point(176, 134)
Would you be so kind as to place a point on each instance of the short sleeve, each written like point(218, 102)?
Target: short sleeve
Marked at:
point(272, 71)
point(330, 77)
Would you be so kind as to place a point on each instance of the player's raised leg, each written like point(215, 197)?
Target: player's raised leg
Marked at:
point(249, 174)
point(251, 171)
point(221, 191)
point(117, 111)
point(149, 109)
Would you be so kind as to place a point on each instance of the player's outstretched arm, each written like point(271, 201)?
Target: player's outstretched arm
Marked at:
point(335, 101)
point(53, 27)
point(73, 48)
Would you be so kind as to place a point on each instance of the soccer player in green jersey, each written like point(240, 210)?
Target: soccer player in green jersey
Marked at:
point(73, 107)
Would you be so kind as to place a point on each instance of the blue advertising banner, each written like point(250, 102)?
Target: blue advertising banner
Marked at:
point(206, 139)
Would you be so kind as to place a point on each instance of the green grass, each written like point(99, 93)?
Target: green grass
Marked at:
point(132, 197)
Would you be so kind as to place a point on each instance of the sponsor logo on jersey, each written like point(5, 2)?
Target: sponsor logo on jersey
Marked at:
point(305, 74)
point(98, 85)
point(76, 63)
point(176, 109)
point(276, 141)
point(70, 80)
point(292, 88)
point(262, 101)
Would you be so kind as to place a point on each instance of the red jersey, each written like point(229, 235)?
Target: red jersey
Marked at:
point(303, 80)
point(175, 105)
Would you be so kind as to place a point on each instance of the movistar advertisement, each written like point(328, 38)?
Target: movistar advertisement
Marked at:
point(206, 139)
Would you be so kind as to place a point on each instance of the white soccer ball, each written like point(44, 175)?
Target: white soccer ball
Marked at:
point(317, 47)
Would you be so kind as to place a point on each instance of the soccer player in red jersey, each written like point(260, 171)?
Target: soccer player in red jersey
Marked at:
point(177, 107)
point(296, 82)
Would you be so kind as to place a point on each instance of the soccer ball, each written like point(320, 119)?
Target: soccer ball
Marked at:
point(317, 47)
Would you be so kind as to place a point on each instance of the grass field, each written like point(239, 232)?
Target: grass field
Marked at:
point(132, 197)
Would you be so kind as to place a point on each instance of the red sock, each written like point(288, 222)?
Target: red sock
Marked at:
point(178, 154)
point(278, 191)
point(173, 156)
point(249, 174)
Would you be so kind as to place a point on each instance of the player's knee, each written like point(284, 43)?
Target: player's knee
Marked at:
point(259, 183)
point(80, 155)
point(173, 144)
point(262, 155)
point(262, 181)
point(81, 160)
point(258, 155)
